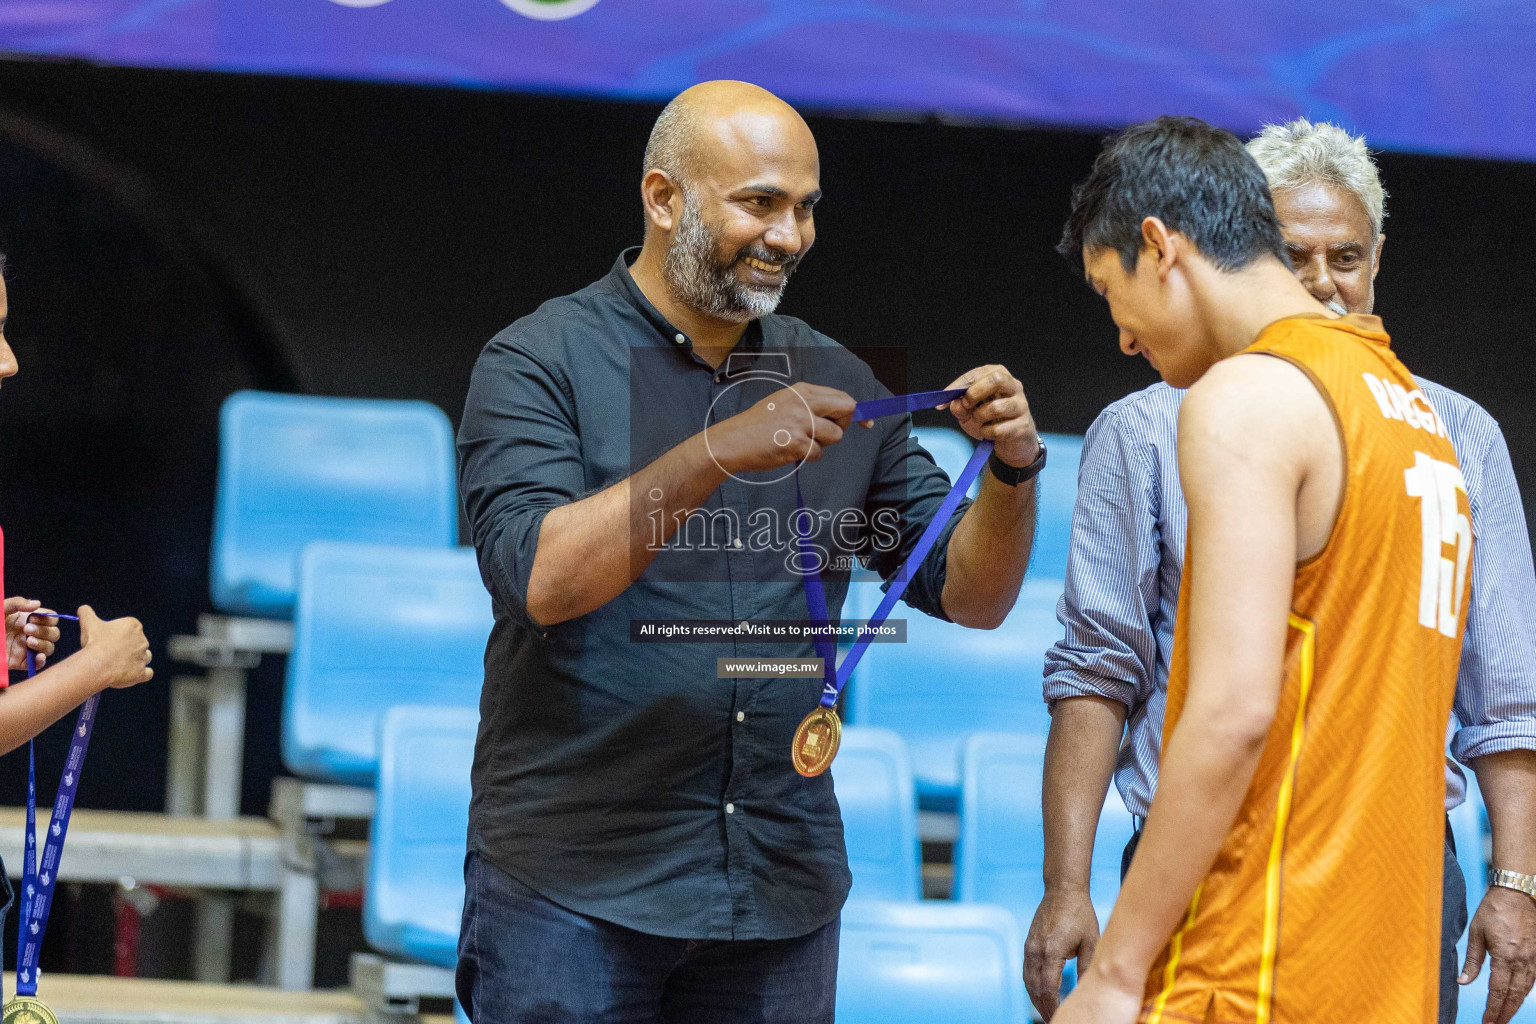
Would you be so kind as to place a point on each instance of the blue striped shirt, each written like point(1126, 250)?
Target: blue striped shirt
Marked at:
point(1127, 557)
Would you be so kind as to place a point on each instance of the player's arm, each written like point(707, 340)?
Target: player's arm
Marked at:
point(1250, 433)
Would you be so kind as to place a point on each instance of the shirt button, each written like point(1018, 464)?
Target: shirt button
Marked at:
point(741, 716)
point(730, 808)
point(736, 543)
point(679, 339)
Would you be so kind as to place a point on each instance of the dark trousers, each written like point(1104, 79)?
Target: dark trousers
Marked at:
point(526, 960)
point(1453, 921)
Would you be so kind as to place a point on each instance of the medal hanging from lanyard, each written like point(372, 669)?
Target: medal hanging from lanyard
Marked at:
point(38, 878)
point(816, 740)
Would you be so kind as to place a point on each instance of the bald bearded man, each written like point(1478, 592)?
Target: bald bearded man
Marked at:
point(641, 847)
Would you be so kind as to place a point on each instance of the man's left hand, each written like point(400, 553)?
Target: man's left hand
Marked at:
point(1504, 928)
point(994, 408)
point(1097, 1000)
point(24, 633)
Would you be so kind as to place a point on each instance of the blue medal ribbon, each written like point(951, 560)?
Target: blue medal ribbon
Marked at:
point(39, 879)
point(835, 676)
point(878, 408)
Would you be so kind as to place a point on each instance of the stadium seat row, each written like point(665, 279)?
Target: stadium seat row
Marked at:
point(900, 960)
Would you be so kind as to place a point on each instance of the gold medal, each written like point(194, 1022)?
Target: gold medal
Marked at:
point(815, 743)
point(27, 1010)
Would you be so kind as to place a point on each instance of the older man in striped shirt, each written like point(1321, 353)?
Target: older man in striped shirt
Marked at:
point(1110, 670)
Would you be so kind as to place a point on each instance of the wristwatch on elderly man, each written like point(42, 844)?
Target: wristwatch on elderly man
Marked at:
point(1513, 880)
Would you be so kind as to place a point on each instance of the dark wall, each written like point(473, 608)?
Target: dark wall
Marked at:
point(174, 236)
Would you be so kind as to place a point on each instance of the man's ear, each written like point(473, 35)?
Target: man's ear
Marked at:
point(1381, 240)
point(662, 199)
point(1159, 244)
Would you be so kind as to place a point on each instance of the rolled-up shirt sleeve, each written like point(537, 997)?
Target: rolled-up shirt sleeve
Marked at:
point(1496, 688)
point(519, 457)
point(1110, 644)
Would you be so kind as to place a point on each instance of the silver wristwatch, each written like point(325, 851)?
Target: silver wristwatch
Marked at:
point(1513, 880)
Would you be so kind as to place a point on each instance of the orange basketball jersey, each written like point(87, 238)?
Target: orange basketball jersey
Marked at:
point(1323, 905)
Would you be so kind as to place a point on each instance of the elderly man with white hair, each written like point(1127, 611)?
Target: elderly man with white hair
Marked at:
point(1108, 676)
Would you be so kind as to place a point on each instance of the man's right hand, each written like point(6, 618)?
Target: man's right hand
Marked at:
point(796, 423)
point(118, 646)
point(1064, 927)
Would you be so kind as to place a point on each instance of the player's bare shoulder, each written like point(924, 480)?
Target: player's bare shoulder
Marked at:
point(1257, 403)
point(1261, 415)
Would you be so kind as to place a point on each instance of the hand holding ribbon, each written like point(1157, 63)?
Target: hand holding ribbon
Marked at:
point(992, 407)
point(28, 631)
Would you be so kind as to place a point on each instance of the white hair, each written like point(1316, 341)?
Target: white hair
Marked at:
point(1305, 152)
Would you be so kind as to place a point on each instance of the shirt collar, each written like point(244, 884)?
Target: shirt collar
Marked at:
point(623, 284)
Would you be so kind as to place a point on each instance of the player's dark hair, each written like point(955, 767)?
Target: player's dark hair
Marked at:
point(1196, 179)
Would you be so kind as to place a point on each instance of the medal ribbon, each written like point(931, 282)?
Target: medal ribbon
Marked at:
point(38, 879)
point(835, 676)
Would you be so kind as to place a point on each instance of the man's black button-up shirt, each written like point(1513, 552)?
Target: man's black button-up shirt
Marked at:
point(622, 779)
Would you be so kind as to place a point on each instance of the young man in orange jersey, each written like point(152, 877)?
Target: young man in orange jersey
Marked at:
point(1290, 865)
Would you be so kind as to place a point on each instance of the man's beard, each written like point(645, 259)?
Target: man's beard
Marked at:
point(698, 279)
point(1337, 306)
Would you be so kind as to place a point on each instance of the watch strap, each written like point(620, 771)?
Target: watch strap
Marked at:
point(1015, 475)
point(1513, 880)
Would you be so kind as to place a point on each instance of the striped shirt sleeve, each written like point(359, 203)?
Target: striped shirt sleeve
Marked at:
point(1496, 688)
point(1110, 644)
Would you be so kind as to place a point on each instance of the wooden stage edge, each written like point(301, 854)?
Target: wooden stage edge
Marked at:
point(92, 999)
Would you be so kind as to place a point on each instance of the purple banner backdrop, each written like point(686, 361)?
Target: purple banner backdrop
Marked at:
point(1453, 77)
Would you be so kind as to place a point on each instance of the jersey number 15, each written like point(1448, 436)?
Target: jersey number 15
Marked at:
point(1442, 580)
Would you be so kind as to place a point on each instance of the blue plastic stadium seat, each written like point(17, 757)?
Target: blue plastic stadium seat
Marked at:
point(1001, 849)
point(1000, 855)
point(873, 780)
point(415, 891)
point(297, 468)
point(947, 682)
point(952, 448)
point(929, 962)
point(377, 626)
